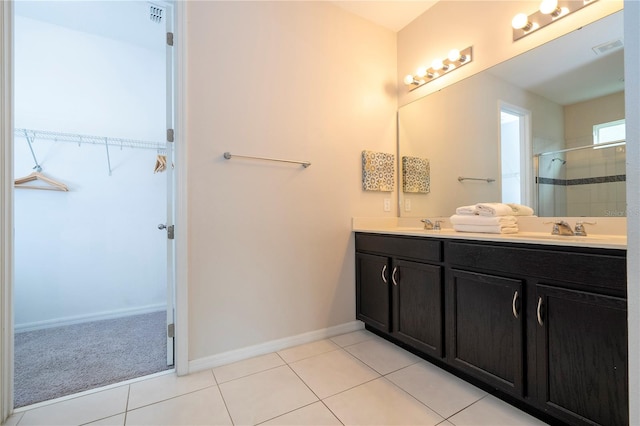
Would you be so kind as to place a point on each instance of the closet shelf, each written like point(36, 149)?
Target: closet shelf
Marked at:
point(95, 140)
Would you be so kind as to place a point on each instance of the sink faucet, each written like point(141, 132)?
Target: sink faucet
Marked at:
point(561, 228)
point(580, 231)
point(429, 226)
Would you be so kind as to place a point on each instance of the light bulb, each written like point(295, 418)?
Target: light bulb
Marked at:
point(454, 55)
point(409, 79)
point(521, 22)
point(421, 72)
point(548, 7)
point(437, 64)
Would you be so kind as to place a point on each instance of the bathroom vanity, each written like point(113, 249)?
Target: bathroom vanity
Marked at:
point(541, 323)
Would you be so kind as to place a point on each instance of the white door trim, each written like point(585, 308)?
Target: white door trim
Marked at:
point(526, 151)
point(6, 209)
point(181, 218)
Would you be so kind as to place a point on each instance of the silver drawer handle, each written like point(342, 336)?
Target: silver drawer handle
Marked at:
point(539, 310)
point(384, 274)
point(393, 276)
point(513, 305)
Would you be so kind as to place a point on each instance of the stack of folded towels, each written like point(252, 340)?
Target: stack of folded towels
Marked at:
point(493, 218)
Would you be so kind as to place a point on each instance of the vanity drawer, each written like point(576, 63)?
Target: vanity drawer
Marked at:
point(424, 249)
point(598, 271)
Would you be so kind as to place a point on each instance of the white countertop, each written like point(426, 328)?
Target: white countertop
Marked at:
point(530, 232)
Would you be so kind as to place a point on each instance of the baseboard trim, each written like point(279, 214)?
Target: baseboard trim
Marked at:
point(78, 319)
point(271, 346)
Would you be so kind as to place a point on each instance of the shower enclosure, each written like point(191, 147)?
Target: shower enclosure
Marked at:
point(583, 181)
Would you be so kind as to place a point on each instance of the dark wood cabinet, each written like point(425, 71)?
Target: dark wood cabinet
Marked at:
point(546, 325)
point(400, 293)
point(372, 290)
point(486, 328)
point(581, 342)
point(417, 305)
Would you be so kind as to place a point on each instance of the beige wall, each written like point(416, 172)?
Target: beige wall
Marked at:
point(270, 247)
point(582, 116)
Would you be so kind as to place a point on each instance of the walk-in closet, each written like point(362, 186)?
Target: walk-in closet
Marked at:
point(91, 294)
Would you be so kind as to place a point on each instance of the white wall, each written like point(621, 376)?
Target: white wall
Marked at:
point(632, 109)
point(95, 250)
point(270, 245)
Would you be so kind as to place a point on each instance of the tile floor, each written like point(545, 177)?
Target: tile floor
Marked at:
point(352, 379)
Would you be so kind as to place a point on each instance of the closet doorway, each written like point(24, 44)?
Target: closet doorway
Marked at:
point(93, 202)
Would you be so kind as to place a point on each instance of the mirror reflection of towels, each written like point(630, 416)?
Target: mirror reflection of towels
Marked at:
point(378, 171)
point(415, 175)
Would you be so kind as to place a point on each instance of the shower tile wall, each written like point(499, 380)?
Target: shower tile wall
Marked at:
point(590, 183)
point(596, 182)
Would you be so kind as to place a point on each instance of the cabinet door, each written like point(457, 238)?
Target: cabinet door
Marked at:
point(372, 290)
point(486, 328)
point(582, 356)
point(417, 305)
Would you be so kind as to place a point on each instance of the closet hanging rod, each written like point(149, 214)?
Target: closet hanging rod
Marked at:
point(305, 164)
point(460, 179)
point(90, 139)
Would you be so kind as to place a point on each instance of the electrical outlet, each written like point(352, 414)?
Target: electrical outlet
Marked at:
point(407, 204)
point(387, 204)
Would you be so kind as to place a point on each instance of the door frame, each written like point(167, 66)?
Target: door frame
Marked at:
point(526, 151)
point(6, 201)
point(6, 209)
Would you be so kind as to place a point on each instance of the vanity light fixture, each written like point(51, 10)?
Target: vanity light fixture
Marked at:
point(548, 12)
point(439, 67)
point(550, 7)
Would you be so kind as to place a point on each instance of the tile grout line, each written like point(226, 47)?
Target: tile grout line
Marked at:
point(251, 374)
point(126, 407)
point(173, 397)
point(320, 400)
point(224, 401)
point(464, 408)
point(415, 398)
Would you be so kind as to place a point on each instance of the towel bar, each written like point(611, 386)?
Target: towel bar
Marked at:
point(460, 179)
point(305, 164)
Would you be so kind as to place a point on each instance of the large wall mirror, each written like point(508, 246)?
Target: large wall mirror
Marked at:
point(542, 128)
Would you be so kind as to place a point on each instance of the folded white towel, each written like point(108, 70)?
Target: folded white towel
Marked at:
point(467, 210)
point(487, 229)
point(520, 209)
point(494, 209)
point(462, 219)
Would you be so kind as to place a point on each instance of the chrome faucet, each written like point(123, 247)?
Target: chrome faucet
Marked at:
point(561, 228)
point(580, 231)
point(430, 226)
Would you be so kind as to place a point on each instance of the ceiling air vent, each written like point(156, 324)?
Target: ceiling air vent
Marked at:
point(156, 13)
point(607, 47)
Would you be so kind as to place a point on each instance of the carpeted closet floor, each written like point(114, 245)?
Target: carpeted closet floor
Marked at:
point(60, 361)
